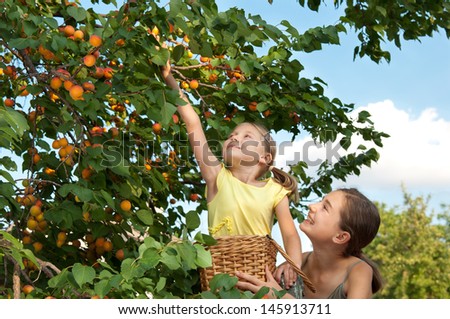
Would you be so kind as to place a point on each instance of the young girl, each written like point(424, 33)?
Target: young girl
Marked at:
point(339, 226)
point(239, 201)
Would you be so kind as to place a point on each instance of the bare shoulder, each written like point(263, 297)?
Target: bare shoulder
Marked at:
point(361, 267)
point(359, 281)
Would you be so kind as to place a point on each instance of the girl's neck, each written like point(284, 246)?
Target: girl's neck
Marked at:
point(326, 258)
point(247, 175)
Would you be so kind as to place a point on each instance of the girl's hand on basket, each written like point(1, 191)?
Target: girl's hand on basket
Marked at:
point(290, 276)
point(254, 284)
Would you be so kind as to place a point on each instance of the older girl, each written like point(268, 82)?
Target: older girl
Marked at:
point(339, 227)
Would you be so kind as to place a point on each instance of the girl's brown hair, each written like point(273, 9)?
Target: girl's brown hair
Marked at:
point(281, 177)
point(361, 219)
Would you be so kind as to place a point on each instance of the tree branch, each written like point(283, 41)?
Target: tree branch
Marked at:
point(16, 281)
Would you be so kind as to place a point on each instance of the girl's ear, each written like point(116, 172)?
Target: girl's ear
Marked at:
point(342, 238)
point(266, 159)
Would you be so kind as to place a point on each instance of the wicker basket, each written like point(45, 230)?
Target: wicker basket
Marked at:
point(246, 253)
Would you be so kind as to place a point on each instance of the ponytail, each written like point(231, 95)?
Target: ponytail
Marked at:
point(284, 179)
point(287, 181)
point(361, 219)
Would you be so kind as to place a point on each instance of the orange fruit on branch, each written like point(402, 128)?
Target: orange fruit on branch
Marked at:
point(32, 224)
point(193, 84)
point(89, 60)
point(120, 254)
point(95, 40)
point(252, 106)
point(69, 30)
point(56, 83)
point(27, 289)
point(35, 210)
point(78, 35)
point(125, 205)
point(37, 246)
point(9, 102)
point(156, 128)
point(76, 92)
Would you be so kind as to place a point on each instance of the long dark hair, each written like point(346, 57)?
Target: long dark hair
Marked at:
point(361, 219)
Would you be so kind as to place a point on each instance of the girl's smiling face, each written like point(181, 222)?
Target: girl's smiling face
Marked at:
point(324, 217)
point(244, 146)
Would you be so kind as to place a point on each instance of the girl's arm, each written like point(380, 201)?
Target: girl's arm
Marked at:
point(207, 161)
point(291, 242)
point(359, 282)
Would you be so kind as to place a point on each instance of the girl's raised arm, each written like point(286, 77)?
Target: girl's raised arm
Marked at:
point(291, 242)
point(207, 161)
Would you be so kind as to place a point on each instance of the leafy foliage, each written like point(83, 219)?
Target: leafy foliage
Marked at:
point(412, 250)
point(97, 164)
point(376, 21)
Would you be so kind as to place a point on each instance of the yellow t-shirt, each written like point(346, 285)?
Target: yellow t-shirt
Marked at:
point(242, 209)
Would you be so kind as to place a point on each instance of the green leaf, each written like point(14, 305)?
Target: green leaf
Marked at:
point(29, 28)
point(83, 274)
point(83, 194)
point(161, 58)
point(378, 28)
point(8, 163)
point(64, 214)
point(131, 269)
point(145, 216)
point(363, 116)
point(7, 190)
point(188, 254)
point(52, 23)
point(192, 220)
point(19, 43)
point(152, 242)
point(121, 169)
point(60, 280)
point(11, 239)
point(161, 284)
point(15, 120)
point(150, 258)
point(167, 111)
point(222, 281)
point(178, 53)
point(102, 287)
point(109, 200)
point(172, 261)
point(79, 14)
point(203, 259)
point(205, 239)
point(7, 176)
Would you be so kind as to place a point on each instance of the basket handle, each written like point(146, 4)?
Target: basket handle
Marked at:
point(306, 280)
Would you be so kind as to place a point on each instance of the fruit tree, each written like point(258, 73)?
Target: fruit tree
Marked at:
point(95, 164)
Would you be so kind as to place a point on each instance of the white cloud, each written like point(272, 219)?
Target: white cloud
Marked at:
point(417, 153)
